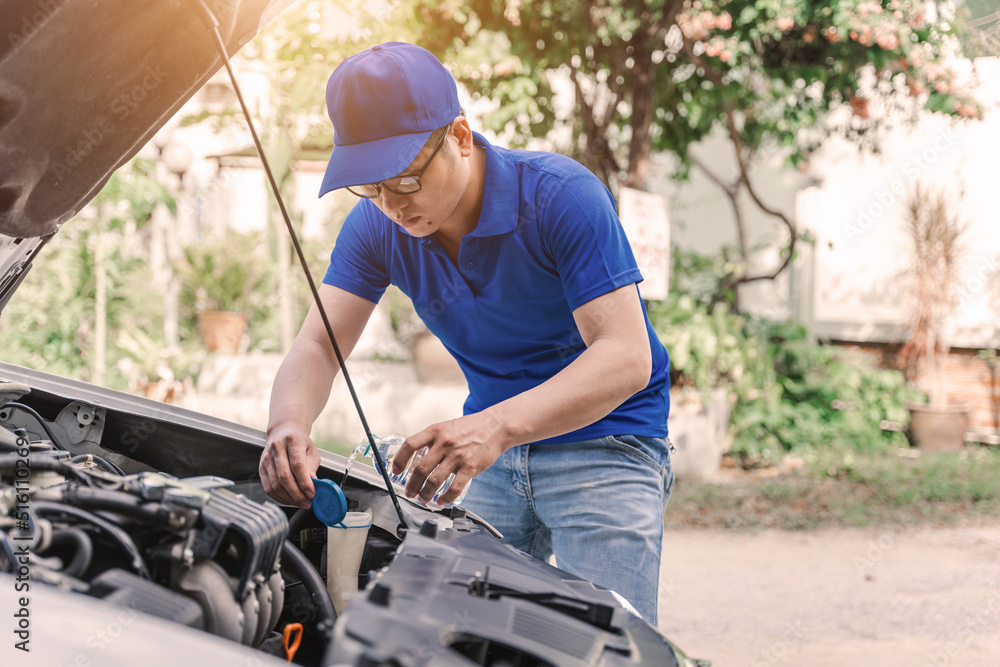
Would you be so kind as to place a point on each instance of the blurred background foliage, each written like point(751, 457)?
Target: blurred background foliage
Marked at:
point(50, 323)
point(788, 394)
point(608, 82)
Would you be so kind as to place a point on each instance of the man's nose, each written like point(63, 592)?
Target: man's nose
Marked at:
point(394, 204)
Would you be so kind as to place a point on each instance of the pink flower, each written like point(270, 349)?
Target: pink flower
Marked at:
point(888, 42)
point(859, 106)
point(966, 110)
point(785, 23)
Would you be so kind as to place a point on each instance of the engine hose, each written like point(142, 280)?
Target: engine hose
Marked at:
point(298, 518)
point(8, 463)
point(83, 553)
point(301, 568)
point(8, 551)
point(38, 418)
point(9, 466)
point(104, 464)
point(115, 501)
point(113, 531)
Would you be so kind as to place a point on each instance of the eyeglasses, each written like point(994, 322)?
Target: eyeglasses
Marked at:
point(401, 185)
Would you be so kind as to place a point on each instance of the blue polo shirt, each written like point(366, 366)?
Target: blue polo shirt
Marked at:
point(548, 241)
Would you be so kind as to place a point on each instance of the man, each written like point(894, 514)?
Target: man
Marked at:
point(518, 263)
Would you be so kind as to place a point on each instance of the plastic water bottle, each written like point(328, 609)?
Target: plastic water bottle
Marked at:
point(387, 447)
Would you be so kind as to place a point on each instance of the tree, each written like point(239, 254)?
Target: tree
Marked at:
point(661, 75)
point(979, 22)
point(77, 312)
point(292, 124)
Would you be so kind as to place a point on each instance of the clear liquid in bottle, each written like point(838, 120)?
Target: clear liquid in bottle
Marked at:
point(388, 446)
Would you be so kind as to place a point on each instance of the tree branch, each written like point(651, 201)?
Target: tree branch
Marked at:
point(597, 145)
point(670, 10)
point(732, 191)
point(731, 282)
point(730, 188)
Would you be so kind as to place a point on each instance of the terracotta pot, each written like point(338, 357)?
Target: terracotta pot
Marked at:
point(222, 331)
point(698, 423)
point(939, 428)
point(432, 361)
point(164, 392)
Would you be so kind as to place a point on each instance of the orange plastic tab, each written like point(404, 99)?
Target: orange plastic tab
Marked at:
point(292, 645)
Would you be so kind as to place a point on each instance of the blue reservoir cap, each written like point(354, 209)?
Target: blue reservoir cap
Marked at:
point(329, 504)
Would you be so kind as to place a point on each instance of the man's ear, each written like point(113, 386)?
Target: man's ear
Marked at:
point(463, 133)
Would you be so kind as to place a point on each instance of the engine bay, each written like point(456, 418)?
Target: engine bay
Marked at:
point(211, 555)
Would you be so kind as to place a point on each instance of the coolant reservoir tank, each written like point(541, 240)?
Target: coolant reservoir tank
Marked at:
point(345, 546)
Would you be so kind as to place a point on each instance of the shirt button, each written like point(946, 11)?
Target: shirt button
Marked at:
point(470, 264)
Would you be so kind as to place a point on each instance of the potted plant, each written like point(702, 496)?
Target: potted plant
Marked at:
point(432, 361)
point(150, 370)
point(935, 233)
point(225, 280)
point(712, 361)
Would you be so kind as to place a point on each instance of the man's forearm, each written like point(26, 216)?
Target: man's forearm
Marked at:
point(302, 385)
point(616, 364)
point(599, 380)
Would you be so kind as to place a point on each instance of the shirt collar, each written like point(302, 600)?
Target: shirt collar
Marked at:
point(501, 194)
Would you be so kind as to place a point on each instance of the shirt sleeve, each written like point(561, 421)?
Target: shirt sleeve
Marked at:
point(582, 233)
point(357, 262)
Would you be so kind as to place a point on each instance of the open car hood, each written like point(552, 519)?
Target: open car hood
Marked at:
point(83, 86)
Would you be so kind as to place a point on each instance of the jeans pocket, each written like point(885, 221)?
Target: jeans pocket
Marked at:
point(651, 451)
point(668, 478)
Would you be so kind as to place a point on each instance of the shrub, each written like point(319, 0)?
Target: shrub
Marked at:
point(789, 393)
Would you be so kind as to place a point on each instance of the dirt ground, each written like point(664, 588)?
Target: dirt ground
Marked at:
point(926, 597)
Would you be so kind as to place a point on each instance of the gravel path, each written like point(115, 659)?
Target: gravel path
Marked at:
point(926, 597)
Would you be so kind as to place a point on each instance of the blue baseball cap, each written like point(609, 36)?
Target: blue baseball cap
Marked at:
point(384, 103)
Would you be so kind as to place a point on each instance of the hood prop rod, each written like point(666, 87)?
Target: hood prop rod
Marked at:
point(209, 19)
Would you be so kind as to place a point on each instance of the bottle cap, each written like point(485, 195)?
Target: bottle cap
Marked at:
point(329, 504)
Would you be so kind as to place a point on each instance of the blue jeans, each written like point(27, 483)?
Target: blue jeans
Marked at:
point(596, 504)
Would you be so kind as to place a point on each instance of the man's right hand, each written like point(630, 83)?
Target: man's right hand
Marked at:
point(289, 461)
point(300, 391)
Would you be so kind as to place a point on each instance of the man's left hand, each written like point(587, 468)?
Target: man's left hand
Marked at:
point(465, 446)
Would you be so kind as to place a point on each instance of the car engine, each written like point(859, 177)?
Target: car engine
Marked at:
point(89, 514)
point(189, 551)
